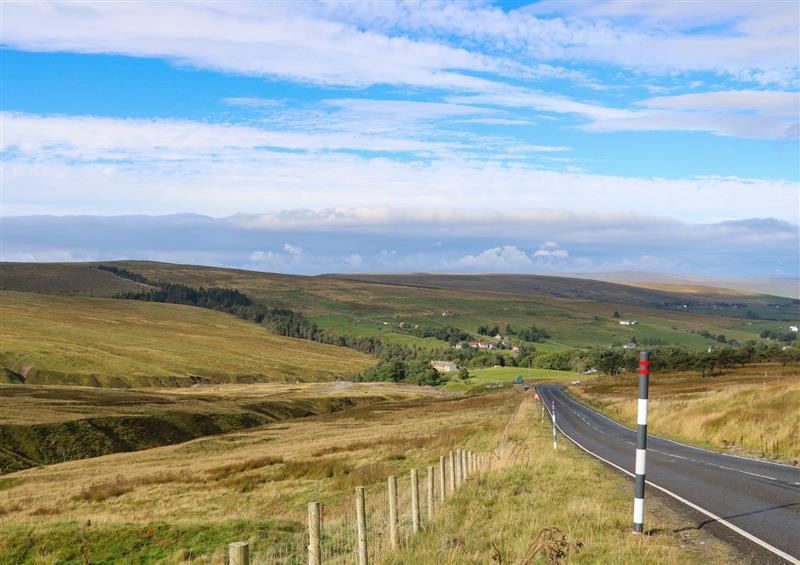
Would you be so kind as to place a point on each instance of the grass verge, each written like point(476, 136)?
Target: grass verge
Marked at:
point(542, 504)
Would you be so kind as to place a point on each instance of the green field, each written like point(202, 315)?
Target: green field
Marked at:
point(481, 378)
point(106, 342)
point(576, 312)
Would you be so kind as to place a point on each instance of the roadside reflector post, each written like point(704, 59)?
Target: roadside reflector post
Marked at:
point(553, 413)
point(641, 441)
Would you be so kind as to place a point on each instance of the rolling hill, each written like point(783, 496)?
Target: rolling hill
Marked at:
point(576, 312)
point(49, 339)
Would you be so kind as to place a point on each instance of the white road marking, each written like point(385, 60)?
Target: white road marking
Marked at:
point(669, 454)
point(724, 522)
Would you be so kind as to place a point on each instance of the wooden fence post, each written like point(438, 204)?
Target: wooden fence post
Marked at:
point(361, 522)
point(313, 533)
point(430, 493)
point(451, 488)
point(463, 464)
point(239, 553)
point(442, 481)
point(414, 501)
point(458, 468)
point(393, 540)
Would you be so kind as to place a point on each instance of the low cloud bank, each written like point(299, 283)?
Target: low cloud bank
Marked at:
point(436, 240)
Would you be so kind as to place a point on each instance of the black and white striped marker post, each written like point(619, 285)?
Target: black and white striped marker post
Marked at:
point(553, 412)
point(641, 441)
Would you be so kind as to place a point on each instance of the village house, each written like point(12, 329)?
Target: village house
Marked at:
point(444, 366)
point(629, 322)
point(793, 329)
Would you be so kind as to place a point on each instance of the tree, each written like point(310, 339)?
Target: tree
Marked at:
point(616, 314)
point(463, 374)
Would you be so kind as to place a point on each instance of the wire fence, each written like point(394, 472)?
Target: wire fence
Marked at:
point(337, 539)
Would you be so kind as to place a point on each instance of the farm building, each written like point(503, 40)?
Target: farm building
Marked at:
point(444, 366)
point(793, 329)
point(629, 322)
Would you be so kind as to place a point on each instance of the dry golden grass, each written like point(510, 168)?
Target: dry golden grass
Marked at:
point(261, 479)
point(535, 503)
point(184, 503)
point(741, 410)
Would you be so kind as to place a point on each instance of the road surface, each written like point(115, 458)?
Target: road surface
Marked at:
point(755, 504)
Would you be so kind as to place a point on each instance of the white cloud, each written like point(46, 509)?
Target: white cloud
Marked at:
point(293, 251)
point(550, 249)
point(505, 258)
point(354, 260)
point(92, 138)
point(744, 113)
point(273, 39)
point(753, 40)
point(291, 255)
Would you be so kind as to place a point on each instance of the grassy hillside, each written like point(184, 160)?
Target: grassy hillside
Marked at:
point(107, 342)
point(41, 425)
point(575, 312)
point(63, 278)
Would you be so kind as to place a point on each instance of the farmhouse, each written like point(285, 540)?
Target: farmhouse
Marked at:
point(444, 366)
point(793, 329)
point(629, 322)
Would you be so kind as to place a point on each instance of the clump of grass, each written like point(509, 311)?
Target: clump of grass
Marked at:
point(9, 508)
point(315, 469)
point(45, 511)
point(364, 475)
point(98, 492)
point(243, 483)
point(225, 471)
point(9, 482)
point(395, 455)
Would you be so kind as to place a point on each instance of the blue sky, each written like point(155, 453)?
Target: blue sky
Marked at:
point(372, 114)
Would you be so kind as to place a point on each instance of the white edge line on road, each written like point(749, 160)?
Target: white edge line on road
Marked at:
point(742, 457)
point(738, 530)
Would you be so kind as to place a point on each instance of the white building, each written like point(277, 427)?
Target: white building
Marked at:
point(629, 322)
point(444, 366)
point(793, 329)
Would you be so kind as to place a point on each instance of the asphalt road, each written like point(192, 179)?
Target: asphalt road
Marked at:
point(758, 498)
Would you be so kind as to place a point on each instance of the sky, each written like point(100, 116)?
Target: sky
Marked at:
point(404, 136)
